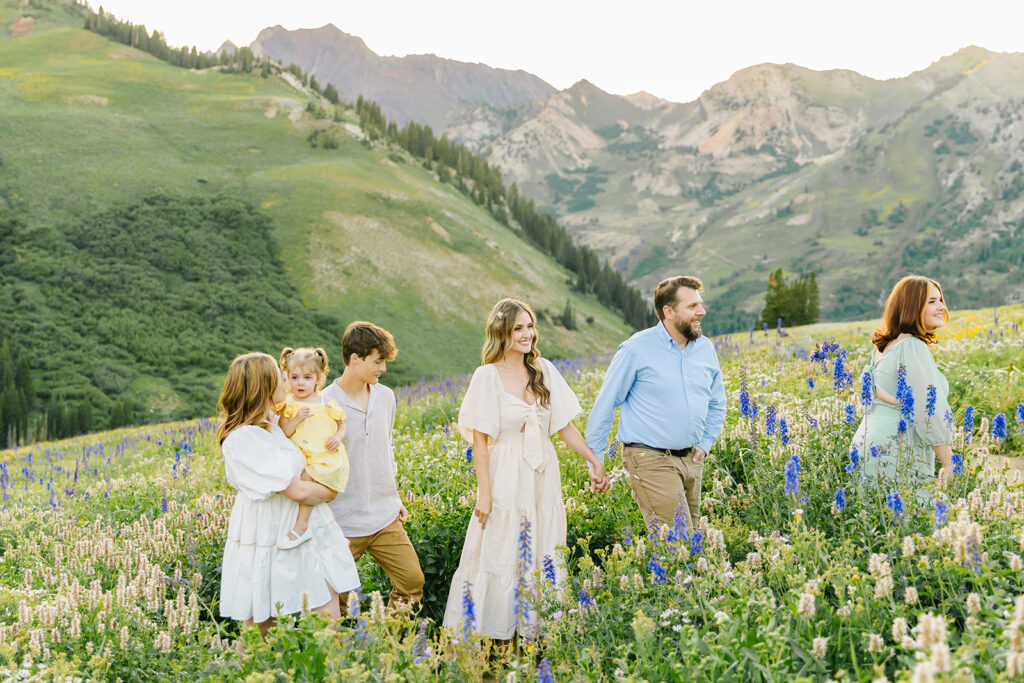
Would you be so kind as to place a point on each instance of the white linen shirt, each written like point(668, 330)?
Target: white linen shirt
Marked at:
point(370, 501)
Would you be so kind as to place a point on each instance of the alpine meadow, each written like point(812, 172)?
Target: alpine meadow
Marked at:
point(163, 210)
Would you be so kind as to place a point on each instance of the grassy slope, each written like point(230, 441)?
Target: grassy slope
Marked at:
point(89, 123)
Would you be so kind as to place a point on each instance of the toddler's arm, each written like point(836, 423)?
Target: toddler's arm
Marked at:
point(288, 425)
point(334, 441)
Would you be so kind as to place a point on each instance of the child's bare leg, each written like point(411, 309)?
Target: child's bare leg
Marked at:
point(302, 521)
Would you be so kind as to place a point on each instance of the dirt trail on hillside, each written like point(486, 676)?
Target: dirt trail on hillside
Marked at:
point(22, 26)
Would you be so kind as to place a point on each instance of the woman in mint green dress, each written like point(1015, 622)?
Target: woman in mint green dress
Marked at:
point(907, 420)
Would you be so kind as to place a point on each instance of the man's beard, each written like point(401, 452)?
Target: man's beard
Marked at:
point(690, 330)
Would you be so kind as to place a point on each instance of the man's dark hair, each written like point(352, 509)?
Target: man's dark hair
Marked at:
point(665, 292)
point(361, 338)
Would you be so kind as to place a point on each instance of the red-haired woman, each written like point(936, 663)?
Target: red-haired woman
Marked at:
point(907, 422)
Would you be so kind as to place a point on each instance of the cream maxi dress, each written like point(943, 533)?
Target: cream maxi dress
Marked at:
point(525, 485)
point(259, 580)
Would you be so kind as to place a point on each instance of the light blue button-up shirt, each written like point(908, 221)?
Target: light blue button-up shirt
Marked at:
point(670, 397)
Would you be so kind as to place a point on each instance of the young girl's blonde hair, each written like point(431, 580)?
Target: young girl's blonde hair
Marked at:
point(306, 359)
point(248, 393)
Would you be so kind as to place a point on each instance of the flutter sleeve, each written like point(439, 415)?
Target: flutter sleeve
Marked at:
point(931, 394)
point(564, 404)
point(255, 464)
point(334, 411)
point(287, 408)
point(479, 410)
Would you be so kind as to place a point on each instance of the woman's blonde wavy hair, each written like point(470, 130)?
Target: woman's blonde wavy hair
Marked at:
point(498, 341)
point(306, 359)
point(248, 393)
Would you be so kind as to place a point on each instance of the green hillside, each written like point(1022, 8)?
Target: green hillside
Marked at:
point(128, 188)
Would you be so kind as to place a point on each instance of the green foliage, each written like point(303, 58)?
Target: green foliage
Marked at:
point(172, 286)
point(568, 316)
point(795, 304)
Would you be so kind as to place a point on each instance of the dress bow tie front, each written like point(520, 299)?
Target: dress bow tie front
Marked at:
point(533, 440)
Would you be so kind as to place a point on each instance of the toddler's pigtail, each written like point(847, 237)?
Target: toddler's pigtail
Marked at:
point(286, 353)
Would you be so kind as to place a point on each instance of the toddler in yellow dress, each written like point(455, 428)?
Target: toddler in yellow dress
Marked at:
point(315, 425)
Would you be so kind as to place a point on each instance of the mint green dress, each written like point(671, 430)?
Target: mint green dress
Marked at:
point(907, 458)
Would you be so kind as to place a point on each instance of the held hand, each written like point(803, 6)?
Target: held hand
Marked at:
point(333, 442)
point(599, 479)
point(403, 514)
point(699, 454)
point(483, 508)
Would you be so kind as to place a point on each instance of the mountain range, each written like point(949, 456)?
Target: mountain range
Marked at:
point(422, 88)
point(858, 179)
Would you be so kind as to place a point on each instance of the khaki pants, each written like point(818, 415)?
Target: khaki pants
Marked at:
point(394, 553)
point(661, 483)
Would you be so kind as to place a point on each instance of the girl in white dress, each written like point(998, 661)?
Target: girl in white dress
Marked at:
point(258, 579)
point(514, 403)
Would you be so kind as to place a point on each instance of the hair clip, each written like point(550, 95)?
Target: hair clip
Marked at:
point(500, 315)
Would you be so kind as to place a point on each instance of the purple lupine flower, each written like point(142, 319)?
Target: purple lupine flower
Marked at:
point(783, 431)
point(854, 460)
point(468, 615)
point(905, 395)
point(771, 420)
point(895, 503)
point(419, 647)
point(523, 565)
point(999, 426)
point(810, 382)
point(586, 602)
point(549, 569)
point(658, 573)
point(958, 463)
point(929, 404)
point(469, 454)
point(792, 475)
point(839, 500)
point(941, 512)
point(696, 543)
point(850, 416)
point(968, 423)
point(679, 532)
point(744, 402)
point(544, 674)
point(1020, 415)
point(866, 391)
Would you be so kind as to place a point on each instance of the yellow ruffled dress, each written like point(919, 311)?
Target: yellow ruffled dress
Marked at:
point(330, 468)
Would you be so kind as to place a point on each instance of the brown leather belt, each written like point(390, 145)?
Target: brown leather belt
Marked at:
point(677, 452)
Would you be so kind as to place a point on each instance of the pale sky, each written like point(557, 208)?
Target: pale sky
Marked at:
point(674, 49)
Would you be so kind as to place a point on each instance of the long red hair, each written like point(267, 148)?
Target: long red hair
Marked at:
point(904, 312)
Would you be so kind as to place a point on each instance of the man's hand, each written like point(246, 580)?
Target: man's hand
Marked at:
point(699, 454)
point(403, 514)
point(599, 479)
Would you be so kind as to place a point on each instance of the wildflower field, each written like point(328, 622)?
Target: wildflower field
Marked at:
point(110, 546)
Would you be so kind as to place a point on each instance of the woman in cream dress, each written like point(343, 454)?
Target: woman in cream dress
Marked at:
point(515, 402)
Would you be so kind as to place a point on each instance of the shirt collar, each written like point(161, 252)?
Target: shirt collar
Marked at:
point(665, 336)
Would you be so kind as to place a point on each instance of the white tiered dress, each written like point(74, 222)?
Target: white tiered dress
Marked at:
point(525, 484)
point(258, 579)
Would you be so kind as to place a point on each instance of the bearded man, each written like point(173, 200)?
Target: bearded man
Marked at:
point(669, 384)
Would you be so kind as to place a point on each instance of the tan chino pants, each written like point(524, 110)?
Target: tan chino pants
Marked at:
point(662, 482)
point(394, 553)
